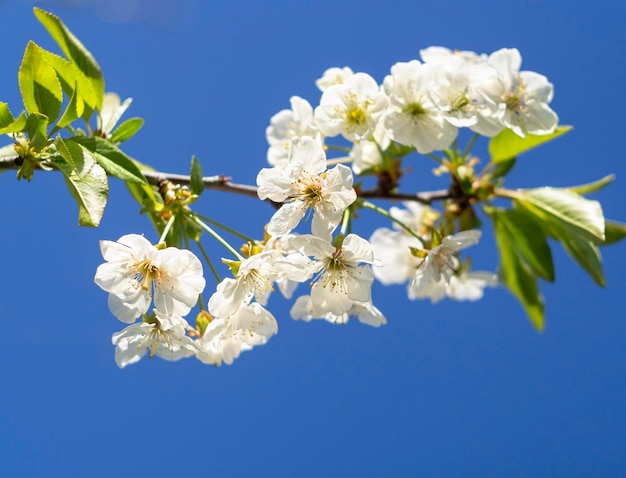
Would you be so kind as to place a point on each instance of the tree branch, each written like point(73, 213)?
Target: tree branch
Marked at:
point(223, 183)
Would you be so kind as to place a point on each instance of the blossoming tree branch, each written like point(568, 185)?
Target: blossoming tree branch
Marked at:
point(319, 160)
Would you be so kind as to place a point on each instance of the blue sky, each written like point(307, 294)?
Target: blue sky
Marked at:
point(446, 390)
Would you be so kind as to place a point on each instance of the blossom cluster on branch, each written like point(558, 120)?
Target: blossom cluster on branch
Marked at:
point(319, 160)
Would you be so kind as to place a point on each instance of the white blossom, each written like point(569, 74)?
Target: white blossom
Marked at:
point(333, 76)
point(307, 184)
point(439, 265)
point(412, 118)
point(352, 108)
point(470, 285)
point(225, 338)
point(526, 95)
point(164, 336)
point(111, 112)
point(365, 312)
point(394, 263)
point(366, 154)
point(467, 90)
point(135, 271)
point(285, 125)
point(342, 274)
point(255, 277)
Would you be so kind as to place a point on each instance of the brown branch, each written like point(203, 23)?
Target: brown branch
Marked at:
point(223, 183)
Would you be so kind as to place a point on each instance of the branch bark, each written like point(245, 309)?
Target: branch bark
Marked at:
point(223, 183)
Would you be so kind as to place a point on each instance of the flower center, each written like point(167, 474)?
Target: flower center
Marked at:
point(415, 109)
point(146, 273)
point(356, 116)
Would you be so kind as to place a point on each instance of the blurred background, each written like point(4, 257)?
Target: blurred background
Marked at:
point(454, 389)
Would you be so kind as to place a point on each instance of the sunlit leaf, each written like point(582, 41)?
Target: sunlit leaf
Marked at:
point(74, 50)
point(39, 85)
point(16, 126)
point(6, 118)
point(587, 256)
point(126, 130)
point(112, 159)
point(37, 129)
point(501, 168)
point(593, 186)
point(564, 208)
point(507, 144)
point(73, 79)
point(73, 111)
point(613, 232)
point(87, 183)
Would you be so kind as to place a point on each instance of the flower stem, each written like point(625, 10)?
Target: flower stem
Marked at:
point(209, 262)
point(166, 229)
point(333, 147)
point(219, 238)
point(225, 228)
point(435, 158)
point(385, 213)
point(342, 160)
point(346, 222)
point(470, 145)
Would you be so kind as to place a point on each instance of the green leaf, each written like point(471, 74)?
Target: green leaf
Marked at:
point(37, 130)
point(517, 277)
point(197, 183)
point(73, 79)
point(39, 85)
point(593, 186)
point(68, 151)
point(6, 118)
point(16, 126)
point(562, 208)
point(74, 50)
point(87, 183)
point(126, 130)
point(613, 232)
point(507, 144)
point(587, 256)
point(73, 111)
point(500, 168)
point(114, 161)
point(529, 241)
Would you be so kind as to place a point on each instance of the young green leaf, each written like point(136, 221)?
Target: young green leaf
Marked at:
point(500, 169)
point(593, 186)
point(73, 79)
point(562, 208)
point(37, 130)
point(507, 144)
point(6, 118)
point(197, 184)
point(613, 232)
point(528, 239)
point(73, 111)
point(74, 50)
point(586, 255)
point(114, 161)
point(517, 277)
point(39, 85)
point(16, 126)
point(87, 183)
point(126, 130)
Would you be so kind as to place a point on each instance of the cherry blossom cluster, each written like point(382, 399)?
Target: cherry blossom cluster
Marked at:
point(420, 106)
